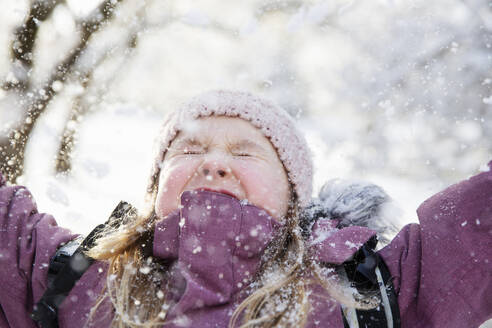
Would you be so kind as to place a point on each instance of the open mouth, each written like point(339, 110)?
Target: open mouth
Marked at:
point(222, 191)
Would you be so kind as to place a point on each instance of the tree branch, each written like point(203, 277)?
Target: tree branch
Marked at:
point(24, 41)
point(13, 148)
point(63, 163)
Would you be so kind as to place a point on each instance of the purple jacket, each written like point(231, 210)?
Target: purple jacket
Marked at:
point(441, 267)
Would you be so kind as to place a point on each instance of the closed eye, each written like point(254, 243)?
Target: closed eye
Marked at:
point(192, 152)
point(242, 154)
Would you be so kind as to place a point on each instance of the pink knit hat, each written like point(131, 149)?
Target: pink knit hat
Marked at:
point(273, 121)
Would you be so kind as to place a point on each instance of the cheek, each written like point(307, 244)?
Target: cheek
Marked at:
point(266, 187)
point(174, 176)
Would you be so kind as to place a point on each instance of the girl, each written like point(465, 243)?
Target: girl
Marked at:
point(231, 237)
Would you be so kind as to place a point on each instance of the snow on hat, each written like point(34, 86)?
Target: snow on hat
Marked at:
point(273, 121)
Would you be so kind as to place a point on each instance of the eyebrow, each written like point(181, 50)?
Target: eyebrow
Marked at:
point(247, 144)
point(189, 142)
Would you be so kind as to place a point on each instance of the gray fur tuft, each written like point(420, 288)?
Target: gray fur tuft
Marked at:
point(354, 203)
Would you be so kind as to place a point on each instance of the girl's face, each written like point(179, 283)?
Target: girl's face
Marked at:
point(227, 155)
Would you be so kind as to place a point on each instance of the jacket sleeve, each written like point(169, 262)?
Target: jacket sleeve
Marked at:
point(442, 267)
point(28, 240)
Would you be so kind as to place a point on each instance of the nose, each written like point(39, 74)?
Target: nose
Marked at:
point(219, 172)
point(215, 167)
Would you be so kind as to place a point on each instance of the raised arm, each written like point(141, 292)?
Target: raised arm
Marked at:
point(443, 266)
point(28, 240)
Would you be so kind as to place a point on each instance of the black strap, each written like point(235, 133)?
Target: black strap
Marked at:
point(66, 268)
point(390, 291)
point(45, 312)
point(361, 271)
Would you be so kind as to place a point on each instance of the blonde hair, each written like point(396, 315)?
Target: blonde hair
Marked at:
point(277, 296)
point(134, 278)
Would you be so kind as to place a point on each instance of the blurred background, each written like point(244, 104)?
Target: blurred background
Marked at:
point(398, 93)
